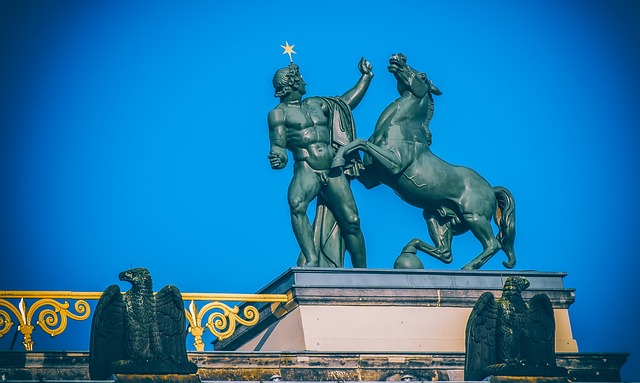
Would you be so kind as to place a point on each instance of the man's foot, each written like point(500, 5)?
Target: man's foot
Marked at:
point(308, 262)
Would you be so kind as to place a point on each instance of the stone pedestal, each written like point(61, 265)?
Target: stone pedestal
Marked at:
point(368, 310)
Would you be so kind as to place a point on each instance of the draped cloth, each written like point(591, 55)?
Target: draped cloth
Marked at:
point(326, 232)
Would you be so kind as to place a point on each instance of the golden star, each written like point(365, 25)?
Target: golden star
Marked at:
point(288, 49)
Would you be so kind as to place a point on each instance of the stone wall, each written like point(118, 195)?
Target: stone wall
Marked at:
point(305, 366)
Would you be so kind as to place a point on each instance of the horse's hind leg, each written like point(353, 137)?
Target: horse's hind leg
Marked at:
point(481, 229)
point(441, 235)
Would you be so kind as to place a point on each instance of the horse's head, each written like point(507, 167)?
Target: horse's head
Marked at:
point(407, 76)
point(410, 79)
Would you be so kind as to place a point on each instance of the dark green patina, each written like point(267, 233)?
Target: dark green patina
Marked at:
point(454, 199)
point(312, 129)
point(140, 333)
point(511, 337)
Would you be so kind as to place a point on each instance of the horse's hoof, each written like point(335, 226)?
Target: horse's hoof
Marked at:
point(510, 264)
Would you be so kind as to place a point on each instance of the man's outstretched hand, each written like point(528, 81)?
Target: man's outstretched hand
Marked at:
point(365, 67)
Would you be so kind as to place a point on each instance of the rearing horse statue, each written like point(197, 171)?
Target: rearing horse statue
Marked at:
point(454, 199)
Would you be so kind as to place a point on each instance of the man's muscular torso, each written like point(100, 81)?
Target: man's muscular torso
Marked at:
point(308, 136)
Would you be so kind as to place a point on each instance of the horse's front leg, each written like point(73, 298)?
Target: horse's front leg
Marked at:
point(357, 144)
point(389, 159)
point(392, 161)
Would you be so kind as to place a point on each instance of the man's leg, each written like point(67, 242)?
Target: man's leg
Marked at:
point(343, 206)
point(304, 187)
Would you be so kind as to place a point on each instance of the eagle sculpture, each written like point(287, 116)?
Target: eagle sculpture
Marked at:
point(509, 337)
point(139, 332)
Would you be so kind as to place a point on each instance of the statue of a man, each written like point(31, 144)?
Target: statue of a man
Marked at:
point(312, 130)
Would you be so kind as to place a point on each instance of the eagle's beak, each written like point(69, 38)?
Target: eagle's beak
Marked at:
point(125, 276)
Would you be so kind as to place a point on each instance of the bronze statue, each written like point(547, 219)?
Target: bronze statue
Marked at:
point(454, 199)
point(139, 333)
point(509, 337)
point(312, 130)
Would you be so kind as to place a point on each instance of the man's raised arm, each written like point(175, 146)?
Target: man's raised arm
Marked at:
point(354, 95)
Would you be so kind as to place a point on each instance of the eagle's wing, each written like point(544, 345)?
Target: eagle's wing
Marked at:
point(480, 337)
point(107, 328)
point(540, 328)
point(172, 323)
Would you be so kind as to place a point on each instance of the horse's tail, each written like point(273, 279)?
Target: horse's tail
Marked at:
point(505, 219)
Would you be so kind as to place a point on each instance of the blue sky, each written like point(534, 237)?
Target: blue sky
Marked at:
point(134, 134)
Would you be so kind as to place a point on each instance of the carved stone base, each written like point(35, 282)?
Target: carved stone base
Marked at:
point(148, 378)
point(526, 379)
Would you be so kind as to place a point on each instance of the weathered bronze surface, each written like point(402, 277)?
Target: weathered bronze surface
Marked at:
point(139, 332)
point(509, 337)
point(312, 129)
point(454, 199)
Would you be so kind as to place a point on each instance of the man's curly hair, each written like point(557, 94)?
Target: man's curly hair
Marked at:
point(285, 80)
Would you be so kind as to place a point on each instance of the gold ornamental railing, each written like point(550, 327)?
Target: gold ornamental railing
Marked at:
point(53, 311)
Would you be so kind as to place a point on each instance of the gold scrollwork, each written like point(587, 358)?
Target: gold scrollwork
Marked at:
point(222, 323)
point(52, 321)
point(52, 316)
point(5, 319)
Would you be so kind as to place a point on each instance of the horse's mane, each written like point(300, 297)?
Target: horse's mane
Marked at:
point(430, 108)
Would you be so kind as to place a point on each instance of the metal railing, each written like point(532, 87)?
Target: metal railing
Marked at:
point(53, 311)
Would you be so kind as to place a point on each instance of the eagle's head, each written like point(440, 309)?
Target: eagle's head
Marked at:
point(139, 277)
point(514, 286)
